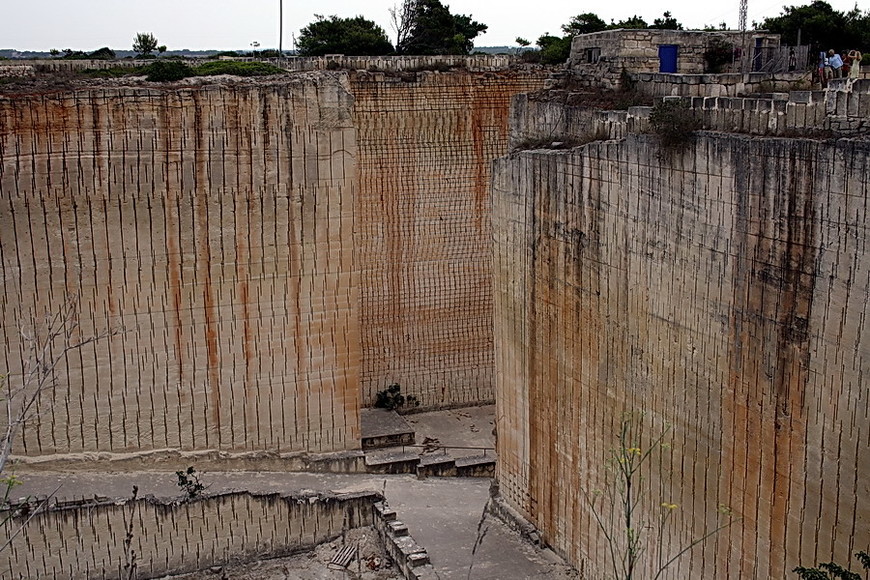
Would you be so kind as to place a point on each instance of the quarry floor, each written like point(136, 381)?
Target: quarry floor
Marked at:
point(442, 514)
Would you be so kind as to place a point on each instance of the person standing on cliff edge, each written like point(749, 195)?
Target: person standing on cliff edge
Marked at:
point(855, 70)
point(836, 63)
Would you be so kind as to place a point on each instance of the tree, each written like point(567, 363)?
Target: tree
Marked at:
point(435, 30)
point(666, 22)
point(351, 36)
point(818, 24)
point(584, 24)
point(402, 20)
point(554, 49)
point(634, 23)
point(144, 43)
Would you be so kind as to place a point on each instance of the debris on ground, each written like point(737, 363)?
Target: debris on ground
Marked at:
point(368, 562)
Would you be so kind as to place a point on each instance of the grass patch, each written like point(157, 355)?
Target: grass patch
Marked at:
point(563, 141)
point(167, 70)
point(113, 72)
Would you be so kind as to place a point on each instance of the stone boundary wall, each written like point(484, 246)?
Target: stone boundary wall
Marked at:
point(85, 540)
point(718, 85)
point(722, 290)
point(7, 71)
point(411, 559)
point(475, 63)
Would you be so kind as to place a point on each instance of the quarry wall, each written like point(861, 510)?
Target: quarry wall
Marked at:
point(274, 251)
point(215, 226)
point(87, 539)
point(721, 290)
point(423, 228)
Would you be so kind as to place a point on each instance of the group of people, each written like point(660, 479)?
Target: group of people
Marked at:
point(833, 65)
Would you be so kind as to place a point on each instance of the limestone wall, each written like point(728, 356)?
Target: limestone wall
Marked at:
point(276, 252)
point(722, 291)
point(477, 63)
point(87, 539)
point(215, 226)
point(423, 230)
point(719, 85)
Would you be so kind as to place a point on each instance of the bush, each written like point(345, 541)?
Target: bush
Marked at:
point(167, 70)
point(113, 72)
point(104, 53)
point(718, 54)
point(240, 69)
point(188, 482)
point(674, 123)
point(392, 398)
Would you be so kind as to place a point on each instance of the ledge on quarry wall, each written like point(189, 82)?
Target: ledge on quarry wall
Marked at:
point(473, 63)
point(86, 539)
point(841, 110)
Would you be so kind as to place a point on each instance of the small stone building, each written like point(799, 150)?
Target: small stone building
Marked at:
point(606, 54)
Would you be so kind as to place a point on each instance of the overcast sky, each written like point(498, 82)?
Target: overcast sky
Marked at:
point(234, 24)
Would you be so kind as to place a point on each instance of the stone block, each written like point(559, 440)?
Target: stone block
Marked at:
point(852, 104)
point(800, 96)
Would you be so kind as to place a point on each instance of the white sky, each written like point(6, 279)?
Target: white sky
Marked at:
point(234, 24)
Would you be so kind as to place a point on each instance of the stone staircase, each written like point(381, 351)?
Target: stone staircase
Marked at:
point(390, 446)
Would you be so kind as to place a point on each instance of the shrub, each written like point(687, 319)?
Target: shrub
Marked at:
point(831, 570)
point(104, 53)
point(241, 69)
point(113, 72)
point(189, 483)
point(167, 70)
point(674, 123)
point(392, 398)
point(718, 54)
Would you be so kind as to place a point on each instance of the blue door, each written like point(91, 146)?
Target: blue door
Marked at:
point(668, 58)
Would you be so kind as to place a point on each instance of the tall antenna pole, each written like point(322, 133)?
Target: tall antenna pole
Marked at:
point(741, 24)
point(281, 27)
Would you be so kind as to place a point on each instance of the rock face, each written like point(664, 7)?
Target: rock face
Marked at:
point(423, 230)
point(722, 290)
point(215, 226)
point(276, 252)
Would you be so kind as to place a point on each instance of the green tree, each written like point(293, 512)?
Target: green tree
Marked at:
point(351, 36)
point(666, 22)
point(433, 29)
point(584, 24)
point(554, 49)
point(144, 43)
point(821, 26)
point(634, 23)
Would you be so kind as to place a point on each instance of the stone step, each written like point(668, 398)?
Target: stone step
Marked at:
point(438, 465)
point(394, 460)
point(382, 428)
point(397, 528)
point(476, 466)
point(384, 512)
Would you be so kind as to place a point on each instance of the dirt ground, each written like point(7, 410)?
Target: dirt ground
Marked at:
point(370, 563)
